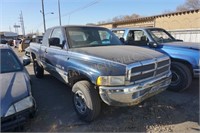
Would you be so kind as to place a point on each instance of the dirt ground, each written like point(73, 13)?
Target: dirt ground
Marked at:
point(165, 112)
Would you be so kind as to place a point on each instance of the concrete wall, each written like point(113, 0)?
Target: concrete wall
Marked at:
point(147, 23)
point(171, 21)
point(179, 21)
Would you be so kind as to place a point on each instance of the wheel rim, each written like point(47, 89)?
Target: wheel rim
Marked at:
point(79, 101)
point(175, 78)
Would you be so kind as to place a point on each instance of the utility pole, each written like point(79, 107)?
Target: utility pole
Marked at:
point(43, 16)
point(16, 28)
point(22, 23)
point(59, 12)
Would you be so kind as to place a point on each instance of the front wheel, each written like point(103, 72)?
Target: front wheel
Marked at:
point(38, 70)
point(86, 101)
point(181, 77)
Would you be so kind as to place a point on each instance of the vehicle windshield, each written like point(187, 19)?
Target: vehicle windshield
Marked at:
point(9, 61)
point(91, 37)
point(161, 36)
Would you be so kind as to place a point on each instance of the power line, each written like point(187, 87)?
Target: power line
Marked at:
point(78, 9)
point(75, 10)
point(82, 7)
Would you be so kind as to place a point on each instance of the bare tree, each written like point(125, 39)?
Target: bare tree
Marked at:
point(193, 4)
point(125, 17)
point(181, 8)
point(189, 5)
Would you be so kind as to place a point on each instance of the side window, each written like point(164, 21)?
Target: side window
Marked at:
point(137, 37)
point(58, 34)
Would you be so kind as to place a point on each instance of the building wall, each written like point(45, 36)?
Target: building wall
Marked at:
point(109, 26)
point(182, 25)
point(171, 21)
point(179, 21)
point(147, 23)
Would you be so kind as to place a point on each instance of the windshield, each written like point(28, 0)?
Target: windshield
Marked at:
point(9, 61)
point(161, 36)
point(91, 37)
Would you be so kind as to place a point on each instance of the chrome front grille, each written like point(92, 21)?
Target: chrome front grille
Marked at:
point(148, 69)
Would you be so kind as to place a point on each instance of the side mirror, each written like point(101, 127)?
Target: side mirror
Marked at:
point(55, 42)
point(153, 45)
point(26, 61)
point(122, 39)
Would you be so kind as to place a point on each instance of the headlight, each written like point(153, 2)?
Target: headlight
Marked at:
point(24, 104)
point(21, 105)
point(10, 111)
point(110, 80)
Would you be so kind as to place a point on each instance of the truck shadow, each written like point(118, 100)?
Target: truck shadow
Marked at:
point(56, 113)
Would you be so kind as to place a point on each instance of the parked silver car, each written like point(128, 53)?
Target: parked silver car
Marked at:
point(17, 102)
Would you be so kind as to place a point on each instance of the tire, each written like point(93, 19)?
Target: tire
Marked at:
point(38, 70)
point(181, 77)
point(86, 101)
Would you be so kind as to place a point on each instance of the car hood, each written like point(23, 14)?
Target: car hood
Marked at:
point(14, 87)
point(188, 45)
point(122, 54)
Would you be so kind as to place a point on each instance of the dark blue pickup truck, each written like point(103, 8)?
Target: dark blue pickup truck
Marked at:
point(94, 62)
point(184, 55)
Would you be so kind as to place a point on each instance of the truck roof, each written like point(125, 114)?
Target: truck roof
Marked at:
point(65, 26)
point(135, 28)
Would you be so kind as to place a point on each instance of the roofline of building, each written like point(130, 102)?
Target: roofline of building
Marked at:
point(152, 17)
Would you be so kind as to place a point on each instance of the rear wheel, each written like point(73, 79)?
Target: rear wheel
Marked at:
point(181, 77)
point(86, 101)
point(38, 70)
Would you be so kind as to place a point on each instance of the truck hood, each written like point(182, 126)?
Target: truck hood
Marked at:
point(188, 45)
point(14, 87)
point(122, 54)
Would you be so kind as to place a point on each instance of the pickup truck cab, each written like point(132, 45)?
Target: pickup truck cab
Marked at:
point(98, 67)
point(184, 55)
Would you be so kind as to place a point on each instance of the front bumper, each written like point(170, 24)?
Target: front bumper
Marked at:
point(18, 119)
point(134, 94)
point(196, 73)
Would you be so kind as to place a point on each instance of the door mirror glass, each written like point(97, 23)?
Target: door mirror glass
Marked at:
point(153, 45)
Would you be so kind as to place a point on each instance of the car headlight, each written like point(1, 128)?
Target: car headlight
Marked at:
point(19, 106)
point(110, 80)
point(10, 111)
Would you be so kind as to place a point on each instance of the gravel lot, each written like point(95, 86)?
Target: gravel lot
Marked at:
point(166, 112)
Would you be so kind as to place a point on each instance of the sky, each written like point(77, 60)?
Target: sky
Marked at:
point(76, 12)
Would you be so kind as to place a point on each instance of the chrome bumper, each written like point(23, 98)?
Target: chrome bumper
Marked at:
point(196, 73)
point(134, 94)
